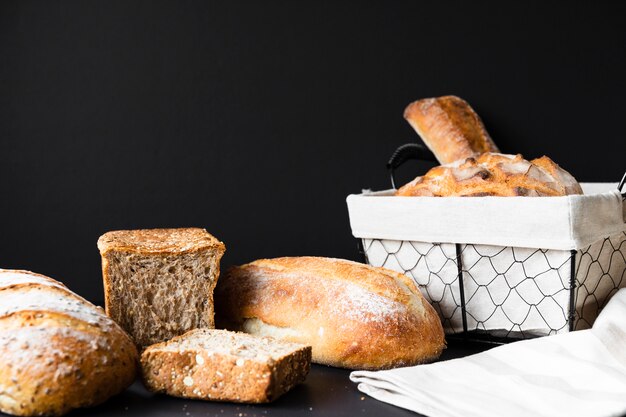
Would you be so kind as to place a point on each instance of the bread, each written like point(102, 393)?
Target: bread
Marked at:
point(158, 283)
point(219, 365)
point(449, 127)
point(492, 174)
point(353, 315)
point(57, 351)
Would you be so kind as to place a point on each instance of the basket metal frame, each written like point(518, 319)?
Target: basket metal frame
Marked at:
point(419, 152)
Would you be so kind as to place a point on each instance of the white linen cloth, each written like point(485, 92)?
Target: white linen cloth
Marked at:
point(566, 223)
point(581, 373)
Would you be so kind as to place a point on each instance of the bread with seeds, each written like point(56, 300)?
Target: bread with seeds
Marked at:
point(158, 283)
point(218, 365)
point(58, 351)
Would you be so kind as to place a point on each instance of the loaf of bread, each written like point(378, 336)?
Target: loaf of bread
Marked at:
point(353, 315)
point(492, 174)
point(449, 127)
point(219, 365)
point(58, 352)
point(158, 283)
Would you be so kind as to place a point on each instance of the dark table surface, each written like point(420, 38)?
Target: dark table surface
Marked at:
point(326, 391)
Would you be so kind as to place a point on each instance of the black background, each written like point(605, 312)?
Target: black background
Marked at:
point(255, 119)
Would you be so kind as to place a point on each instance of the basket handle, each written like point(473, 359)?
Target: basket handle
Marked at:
point(405, 153)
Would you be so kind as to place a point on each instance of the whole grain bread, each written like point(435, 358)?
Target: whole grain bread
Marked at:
point(158, 283)
point(492, 174)
point(449, 127)
point(58, 352)
point(353, 315)
point(219, 365)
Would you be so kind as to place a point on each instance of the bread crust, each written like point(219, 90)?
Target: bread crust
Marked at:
point(158, 241)
point(353, 315)
point(491, 174)
point(202, 373)
point(449, 127)
point(58, 352)
point(127, 299)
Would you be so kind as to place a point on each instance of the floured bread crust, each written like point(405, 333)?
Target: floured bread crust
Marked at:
point(58, 352)
point(449, 127)
point(493, 174)
point(353, 315)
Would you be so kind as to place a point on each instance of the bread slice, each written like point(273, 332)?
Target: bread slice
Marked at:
point(449, 127)
point(158, 283)
point(220, 365)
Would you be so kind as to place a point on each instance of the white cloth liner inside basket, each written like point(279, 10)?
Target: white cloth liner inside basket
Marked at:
point(515, 253)
point(566, 223)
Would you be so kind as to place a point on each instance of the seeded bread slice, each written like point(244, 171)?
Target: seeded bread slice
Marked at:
point(219, 365)
point(158, 283)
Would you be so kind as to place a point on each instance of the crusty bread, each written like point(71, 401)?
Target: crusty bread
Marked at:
point(57, 351)
point(219, 365)
point(493, 174)
point(353, 315)
point(158, 283)
point(449, 127)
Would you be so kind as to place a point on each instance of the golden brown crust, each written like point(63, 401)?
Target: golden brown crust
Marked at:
point(57, 351)
point(353, 315)
point(156, 241)
point(493, 174)
point(218, 374)
point(449, 127)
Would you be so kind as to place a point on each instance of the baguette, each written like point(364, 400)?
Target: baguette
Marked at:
point(58, 352)
point(353, 315)
point(449, 127)
point(219, 365)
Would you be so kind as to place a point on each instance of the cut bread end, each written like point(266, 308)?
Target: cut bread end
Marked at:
point(157, 291)
point(219, 365)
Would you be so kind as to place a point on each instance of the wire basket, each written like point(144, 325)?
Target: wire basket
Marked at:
point(501, 293)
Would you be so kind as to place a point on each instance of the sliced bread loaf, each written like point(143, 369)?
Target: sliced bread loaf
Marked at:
point(220, 365)
point(159, 283)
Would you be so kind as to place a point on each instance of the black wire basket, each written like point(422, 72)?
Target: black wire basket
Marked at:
point(500, 294)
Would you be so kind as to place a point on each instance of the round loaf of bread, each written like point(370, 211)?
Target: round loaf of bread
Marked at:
point(494, 174)
point(57, 351)
point(353, 315)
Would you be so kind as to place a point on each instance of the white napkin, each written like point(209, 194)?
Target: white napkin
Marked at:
point(582, 373)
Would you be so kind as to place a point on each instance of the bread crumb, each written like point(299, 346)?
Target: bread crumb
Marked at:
point(188, 381)
point(240, 362)
point(199, 359)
